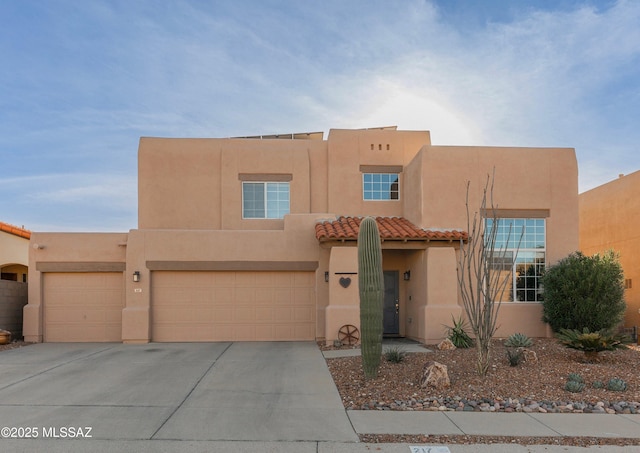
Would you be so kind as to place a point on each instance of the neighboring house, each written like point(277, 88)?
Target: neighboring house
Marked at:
point(14, 258)
point(255, 239)
point(609, 218)
point(14, 253)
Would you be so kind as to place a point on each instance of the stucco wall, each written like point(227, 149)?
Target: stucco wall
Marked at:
point(349, 149)
point(532, 179)
point(609, 216)
point(13, 249)
point(191, 184)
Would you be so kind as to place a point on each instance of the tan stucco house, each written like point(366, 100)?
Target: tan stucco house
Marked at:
point(255, 239)
point(14, 252)
point(609, 215)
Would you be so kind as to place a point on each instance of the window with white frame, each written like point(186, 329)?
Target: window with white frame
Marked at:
point(524, 239)
point(265, 200)
point(381, 186)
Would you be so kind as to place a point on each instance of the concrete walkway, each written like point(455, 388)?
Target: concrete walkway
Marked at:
point(229, 397)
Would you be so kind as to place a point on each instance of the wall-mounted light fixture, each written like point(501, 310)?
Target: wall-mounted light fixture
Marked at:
point(136, 276)
point(37, 246)
point(326, 277)
point(407, 275)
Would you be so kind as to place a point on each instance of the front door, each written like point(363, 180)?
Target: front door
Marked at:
point(391, 321)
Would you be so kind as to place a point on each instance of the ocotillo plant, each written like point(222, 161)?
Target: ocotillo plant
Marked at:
point(371, 285)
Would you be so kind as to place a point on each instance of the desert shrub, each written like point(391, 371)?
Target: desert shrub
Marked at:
point(591, 343)
point(518, 340)
point(515, 356)
point(584, 291)
point(617, 385)
point(395, 354)
point(458, 333)
point(597, 384)
point(574, 386)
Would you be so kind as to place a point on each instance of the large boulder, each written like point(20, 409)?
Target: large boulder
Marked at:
point(435, 375)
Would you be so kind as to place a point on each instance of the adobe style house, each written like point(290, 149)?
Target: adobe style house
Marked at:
point(609, 215)
point(14, 258)
point(255, 239)
point(14, 252)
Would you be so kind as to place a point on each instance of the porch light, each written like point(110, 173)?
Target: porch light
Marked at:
point(136, 276)
point(407, 275)
point(326, 277)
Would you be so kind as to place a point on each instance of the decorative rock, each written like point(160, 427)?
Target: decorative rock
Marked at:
point(529, 355)
point(435, 375)
point(446, 345)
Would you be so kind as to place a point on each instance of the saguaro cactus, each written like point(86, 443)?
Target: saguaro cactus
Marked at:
point(371, 286)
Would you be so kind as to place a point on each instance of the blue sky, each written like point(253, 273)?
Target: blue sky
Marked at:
point(82, 81)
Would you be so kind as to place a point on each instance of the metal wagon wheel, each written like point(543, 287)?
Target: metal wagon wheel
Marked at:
point(349, 334)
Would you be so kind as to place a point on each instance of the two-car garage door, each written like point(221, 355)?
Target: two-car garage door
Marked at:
point(232, 306)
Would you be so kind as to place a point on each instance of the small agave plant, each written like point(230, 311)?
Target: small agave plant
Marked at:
point(518, 340)
point(574, 386)
point(617, 385)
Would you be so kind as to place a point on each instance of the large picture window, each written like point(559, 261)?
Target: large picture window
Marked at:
point(530, 257)
point(381, 186)
point(265, 200)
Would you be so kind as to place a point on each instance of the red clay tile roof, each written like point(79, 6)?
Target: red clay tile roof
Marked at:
point(391, 228)
point(15, 230)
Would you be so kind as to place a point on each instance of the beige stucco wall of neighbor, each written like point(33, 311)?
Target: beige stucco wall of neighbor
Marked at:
point(190, 219)
point(14, 253)
point(609, 215)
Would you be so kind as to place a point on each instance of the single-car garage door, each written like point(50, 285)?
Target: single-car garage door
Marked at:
point(232, 306)
point(83, 306)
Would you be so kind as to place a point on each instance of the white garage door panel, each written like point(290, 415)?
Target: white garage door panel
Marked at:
point(233, 306)
point(82, 307)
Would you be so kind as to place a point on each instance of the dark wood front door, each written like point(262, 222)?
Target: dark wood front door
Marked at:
point(391, 320)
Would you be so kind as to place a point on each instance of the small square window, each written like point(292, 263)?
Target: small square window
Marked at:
point(380, 186)
point(265, 200)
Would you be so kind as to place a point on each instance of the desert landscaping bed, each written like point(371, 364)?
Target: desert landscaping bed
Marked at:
point(534, 386)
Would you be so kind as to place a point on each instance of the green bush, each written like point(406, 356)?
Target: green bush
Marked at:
point(598, 384)
point(518, 340)
point(584, 291)
point(458, 333)
point(395, 354)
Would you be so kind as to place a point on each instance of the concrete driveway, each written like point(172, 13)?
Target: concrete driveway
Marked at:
point(178, 391)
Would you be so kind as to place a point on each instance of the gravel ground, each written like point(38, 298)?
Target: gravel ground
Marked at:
point(13, 345)
point(528, 387)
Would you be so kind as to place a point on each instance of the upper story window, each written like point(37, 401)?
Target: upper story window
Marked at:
point(530, 256)
point(265, 200)
point(381, 186)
